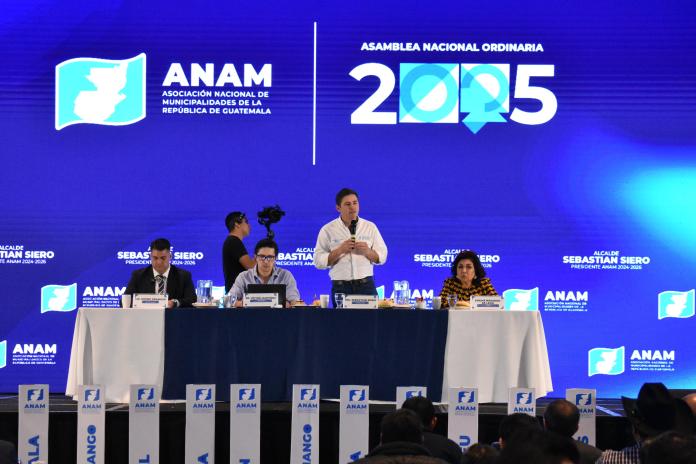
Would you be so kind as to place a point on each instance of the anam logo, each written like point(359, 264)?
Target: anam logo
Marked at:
point(100, 91)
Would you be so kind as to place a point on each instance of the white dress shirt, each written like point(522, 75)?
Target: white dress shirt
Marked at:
point(350, 266)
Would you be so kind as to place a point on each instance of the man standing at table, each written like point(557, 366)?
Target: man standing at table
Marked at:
point(161, 277)
point(349, 246)
point(235, 258)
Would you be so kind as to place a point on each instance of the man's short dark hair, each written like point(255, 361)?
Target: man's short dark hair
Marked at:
point(266, 243)
point(517, 422)
point(535, 446)
point(235, 217)
point(669, 448)
point(479, 453)
point(423, 407)
point(402, 425)
point(344, 192)
point(562, 417)
point(160, 244)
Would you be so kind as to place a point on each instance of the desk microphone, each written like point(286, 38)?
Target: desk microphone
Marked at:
point(351, 228)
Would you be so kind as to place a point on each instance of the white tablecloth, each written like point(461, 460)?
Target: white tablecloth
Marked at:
point(491, 350)
point(116, 348)
point(496, 350)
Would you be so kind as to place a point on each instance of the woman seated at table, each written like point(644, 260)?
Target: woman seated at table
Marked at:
point(468, 279)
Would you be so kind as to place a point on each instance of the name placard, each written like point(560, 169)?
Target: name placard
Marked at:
point(487, 302)
point(360, 302)
point(149, 301)
point(586, 401)
point(260, 300)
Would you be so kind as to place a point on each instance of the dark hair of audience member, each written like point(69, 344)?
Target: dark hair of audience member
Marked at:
point(479, 453)
point(515, 423)
point(344, 192)
point(423, 407)
point(402, 425)
point(536, 446)
point(562, 417)
point(669, 448)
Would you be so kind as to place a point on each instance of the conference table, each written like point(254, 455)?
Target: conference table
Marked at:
point(382, 348)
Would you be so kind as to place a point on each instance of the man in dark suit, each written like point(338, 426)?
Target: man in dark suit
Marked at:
point(162, 277)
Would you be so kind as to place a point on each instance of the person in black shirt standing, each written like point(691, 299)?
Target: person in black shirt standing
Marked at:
point(235, 258)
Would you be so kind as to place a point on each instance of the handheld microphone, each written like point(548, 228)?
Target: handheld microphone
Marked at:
point(352, 227)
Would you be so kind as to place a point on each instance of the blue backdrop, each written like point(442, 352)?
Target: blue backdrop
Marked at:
point(584, 205)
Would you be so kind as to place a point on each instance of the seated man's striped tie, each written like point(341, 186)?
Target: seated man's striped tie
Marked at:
point(161, 284)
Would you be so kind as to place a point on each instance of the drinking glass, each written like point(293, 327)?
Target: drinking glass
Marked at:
point(340, 297)
point(452, 301)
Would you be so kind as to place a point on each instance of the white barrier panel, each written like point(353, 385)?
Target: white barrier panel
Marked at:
point(304, 438)
point(245, 424)
point(404, 393)
point(522, 400)
point(354, 435)
point(200, 424)
point(33, 423)
point(462, 417)
point(143, 424)
point(90, 424)
point(586, 401)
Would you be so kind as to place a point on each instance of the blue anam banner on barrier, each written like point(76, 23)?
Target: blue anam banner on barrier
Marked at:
point(200, 424)
point(404, 393)
point(32, 442)
point(354, 417)
point(143, 424)
point(462, 416)
point(586, 401)
point(245, 423)
point(522, 400)
point(304, 437)
point(90, 424)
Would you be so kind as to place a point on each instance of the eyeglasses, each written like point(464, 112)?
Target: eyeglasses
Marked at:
point(265, 258)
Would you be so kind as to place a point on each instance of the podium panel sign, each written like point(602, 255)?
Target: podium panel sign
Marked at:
point(245, 423)
point(143, 424)
point(462, 417)
point(522, 400)
point(586, 401)
point(200, 424)
point(33, 423)
point(404, 393)
point(90, 424)
point(304, 437)
point(354, 435)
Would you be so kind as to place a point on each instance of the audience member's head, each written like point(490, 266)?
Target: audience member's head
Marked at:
point(402, 425)
point(536, 446)
point(656, 411)
point(690, 400)
point(562, 417)
point(517, 423)
point(424, 408)
point(480, 454)
point(669, 448)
